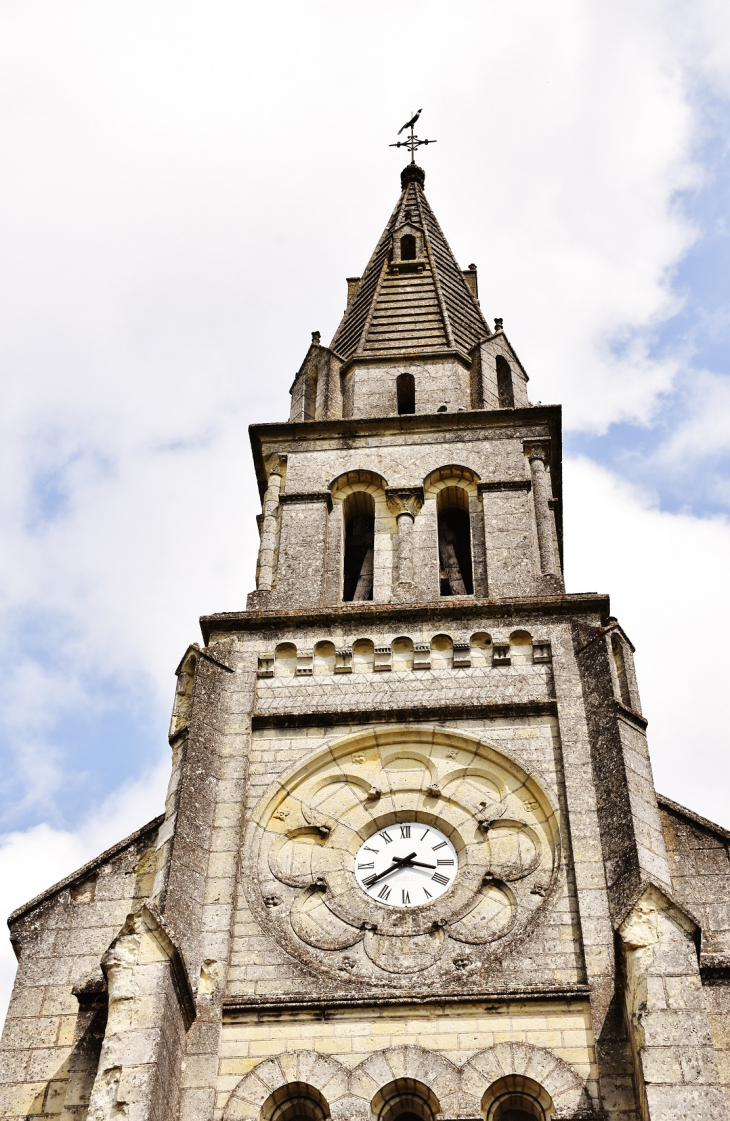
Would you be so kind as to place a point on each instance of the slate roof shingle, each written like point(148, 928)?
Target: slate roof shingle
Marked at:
point(395, 312)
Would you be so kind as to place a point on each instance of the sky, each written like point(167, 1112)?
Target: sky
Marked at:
point(184, 188)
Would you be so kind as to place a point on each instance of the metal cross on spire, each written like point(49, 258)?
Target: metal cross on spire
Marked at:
point(413, 143)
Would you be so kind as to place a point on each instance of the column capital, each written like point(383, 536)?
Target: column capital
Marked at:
point(275, 466)
point(538, 448)
point(404, 500)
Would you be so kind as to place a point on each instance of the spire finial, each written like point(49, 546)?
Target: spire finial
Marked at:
point(413, 143)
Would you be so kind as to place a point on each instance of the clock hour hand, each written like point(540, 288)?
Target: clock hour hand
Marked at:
point(419, 864)
point(398, 862)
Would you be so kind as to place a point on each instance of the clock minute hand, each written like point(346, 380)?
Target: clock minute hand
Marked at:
point(397, 862)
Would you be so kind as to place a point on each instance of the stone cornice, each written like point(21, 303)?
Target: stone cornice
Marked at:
point(304, 497)
point(404, 715)
point(386, 614)
point(403, 357)
point(233, 1005)
point(504, 484)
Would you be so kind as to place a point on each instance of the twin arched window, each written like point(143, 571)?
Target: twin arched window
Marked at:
point(454, 544)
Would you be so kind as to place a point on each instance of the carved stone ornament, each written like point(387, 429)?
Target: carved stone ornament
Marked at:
point(305, 836)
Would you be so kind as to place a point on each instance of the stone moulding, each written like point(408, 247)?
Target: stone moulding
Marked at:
point(416, 713)
point(390, 614)
point(504, 484)
point(305, 498)
point(487, 998)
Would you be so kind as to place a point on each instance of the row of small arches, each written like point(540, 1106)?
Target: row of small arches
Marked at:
point(512, 1098)
point(441, 652)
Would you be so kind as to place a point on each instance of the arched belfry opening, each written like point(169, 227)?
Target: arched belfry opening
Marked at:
point(408, 247)
point(296, 1101)
point(405, 1099)
point(517, 1098)
point(405, 387)
point(359, 547)
point(454, 542)
point(505, 389)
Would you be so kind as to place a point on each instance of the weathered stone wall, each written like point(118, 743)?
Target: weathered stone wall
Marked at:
point(57, 1015)
point(699, 859)
point(370, 388)
point(367, 1046)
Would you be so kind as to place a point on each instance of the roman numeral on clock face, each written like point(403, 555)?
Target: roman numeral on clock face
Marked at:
point(439, 879)
point(405, 831)
point(384, 892)
point(449, 862)
point(405, 897)
point(385, 837)
point(369, 881)
point(370, 865)
point(440, 845)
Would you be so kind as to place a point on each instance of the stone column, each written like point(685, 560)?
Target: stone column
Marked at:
point(404, 520)
point(537, 455)
point(405, 503)
point(269, 531)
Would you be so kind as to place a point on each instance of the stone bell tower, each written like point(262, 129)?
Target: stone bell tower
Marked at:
point(412, 865)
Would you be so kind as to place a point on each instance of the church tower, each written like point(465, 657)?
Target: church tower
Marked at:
point(412, 865)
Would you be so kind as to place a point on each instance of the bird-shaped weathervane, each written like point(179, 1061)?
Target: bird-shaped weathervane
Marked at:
point(412, 143)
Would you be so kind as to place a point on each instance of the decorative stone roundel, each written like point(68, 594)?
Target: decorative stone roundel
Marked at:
point(306, 834)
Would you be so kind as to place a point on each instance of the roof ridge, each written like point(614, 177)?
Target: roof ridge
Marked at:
point(420, 198)
point(696, 818)
point(85, 869)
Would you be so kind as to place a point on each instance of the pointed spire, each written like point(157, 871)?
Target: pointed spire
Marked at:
point(412, 297)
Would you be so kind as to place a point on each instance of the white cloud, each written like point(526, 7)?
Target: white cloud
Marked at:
point(704, 427)
point(667, 577)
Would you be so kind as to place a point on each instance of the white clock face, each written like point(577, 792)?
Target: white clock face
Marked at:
point(406, 865)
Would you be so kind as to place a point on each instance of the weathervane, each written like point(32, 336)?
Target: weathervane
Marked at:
point(413, 142)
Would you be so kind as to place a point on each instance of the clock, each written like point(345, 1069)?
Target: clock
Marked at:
point(406, 865)
point(404, 851)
